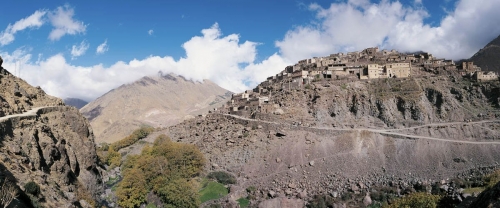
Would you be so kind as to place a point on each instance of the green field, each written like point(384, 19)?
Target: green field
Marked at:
point(243, 202)
point(212, 190)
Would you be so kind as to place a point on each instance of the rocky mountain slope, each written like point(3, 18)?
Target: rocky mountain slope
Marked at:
point(156, 101)
point(488, 58)
point(45, 142)
point(340, 137)
point(77, 103)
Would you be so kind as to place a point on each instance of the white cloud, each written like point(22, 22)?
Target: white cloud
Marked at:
point(150, 32)
point(102, 48)
point(209, 56)
point(33, 21)
point(78, 50)
point(357, 24)
point(63, 22)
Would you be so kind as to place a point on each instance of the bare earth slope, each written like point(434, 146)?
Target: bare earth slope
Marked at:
point(155, 101)
point(339, 137)
point(43, 141)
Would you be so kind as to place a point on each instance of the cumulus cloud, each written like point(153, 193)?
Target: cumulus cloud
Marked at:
point(63, 23)
point(33, 21)
point(357, 24)
point(78, 50)
point(150, 32)
point(102, 48)
point(224, 60)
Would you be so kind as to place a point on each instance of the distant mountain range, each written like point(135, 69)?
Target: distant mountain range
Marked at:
point(488, 58)
point(76, 102)
point(158, 101)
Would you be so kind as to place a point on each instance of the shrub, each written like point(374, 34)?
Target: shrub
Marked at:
point(416, 200)
point(222, 177)
point(32, 188)
point(321, 202)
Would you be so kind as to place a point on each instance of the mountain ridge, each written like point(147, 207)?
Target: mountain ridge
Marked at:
point(488, 58)
point(157, 101)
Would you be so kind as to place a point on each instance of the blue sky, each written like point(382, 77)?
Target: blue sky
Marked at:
point(54, 43)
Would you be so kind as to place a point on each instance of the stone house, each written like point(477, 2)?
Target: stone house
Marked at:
point(398, 70)
point(376, 71)
point(485, 76)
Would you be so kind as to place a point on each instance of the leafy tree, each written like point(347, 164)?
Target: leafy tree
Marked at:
point(416, 200)
point(184, 160)
point(180, 193)
point(113, 158)
point(132, 138)
point(132, 191)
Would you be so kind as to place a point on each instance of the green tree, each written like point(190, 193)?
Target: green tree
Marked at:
point(113, 158)
point(132, 190)
point(180, 193)
point(184, 160)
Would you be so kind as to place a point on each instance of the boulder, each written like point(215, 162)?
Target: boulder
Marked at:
point(367, 200)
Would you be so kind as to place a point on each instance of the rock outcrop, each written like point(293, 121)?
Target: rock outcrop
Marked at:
point(45, 142)
point(17, 96)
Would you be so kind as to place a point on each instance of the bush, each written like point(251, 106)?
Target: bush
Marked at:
point(320, 202)
point(222, 177)
point(416, 200)
point(32, 188)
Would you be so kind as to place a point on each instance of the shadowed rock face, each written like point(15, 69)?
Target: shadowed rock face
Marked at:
point(488, 198)
point(488, 57)
point(77, 103)
point(52, 145)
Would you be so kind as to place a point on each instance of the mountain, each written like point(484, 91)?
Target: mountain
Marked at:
point(76, 102)
point(348, 138)
point(158, 101)
point(488, 58)
point(45, 147)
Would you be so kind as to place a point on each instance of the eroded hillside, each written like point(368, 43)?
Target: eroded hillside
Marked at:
point(340, 137)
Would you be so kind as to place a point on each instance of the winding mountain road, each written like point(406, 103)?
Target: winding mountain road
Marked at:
point(391, 131)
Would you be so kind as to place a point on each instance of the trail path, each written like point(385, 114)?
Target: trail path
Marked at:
point(391, 131)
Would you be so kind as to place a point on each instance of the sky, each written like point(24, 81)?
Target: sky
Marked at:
point(83, 49)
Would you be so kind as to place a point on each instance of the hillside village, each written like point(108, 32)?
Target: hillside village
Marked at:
point(370, 63)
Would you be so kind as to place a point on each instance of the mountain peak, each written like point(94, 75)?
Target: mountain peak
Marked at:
point(156, 101)
point(488, 58)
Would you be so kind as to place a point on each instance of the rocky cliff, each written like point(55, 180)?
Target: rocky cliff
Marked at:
point(45, 142)
point(155, 101)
